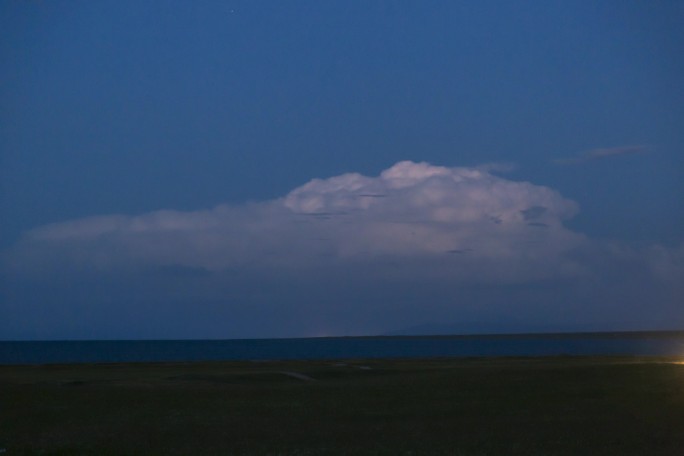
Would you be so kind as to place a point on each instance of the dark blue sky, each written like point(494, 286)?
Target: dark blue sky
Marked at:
point(129, 107)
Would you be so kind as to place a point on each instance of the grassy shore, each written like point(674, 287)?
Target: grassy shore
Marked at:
point(463, 406)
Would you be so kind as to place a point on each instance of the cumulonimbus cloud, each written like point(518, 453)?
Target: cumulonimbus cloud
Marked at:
point(464, 223)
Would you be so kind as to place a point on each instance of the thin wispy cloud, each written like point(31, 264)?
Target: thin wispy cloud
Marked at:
point(602, 153)
point(498, 167)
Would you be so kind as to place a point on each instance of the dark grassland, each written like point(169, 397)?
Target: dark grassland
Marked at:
point(465, 406)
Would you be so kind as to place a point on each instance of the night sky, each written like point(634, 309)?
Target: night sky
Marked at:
point(232, 169)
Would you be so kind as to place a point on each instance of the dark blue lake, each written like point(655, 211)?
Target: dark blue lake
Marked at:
point(660, 343)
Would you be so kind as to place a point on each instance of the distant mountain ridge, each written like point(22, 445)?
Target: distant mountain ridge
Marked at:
point(512, 328)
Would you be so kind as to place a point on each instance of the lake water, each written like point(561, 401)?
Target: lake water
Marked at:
point(670, 343)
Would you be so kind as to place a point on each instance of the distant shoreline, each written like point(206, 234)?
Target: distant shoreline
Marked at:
point(361, 347)
point(672, 333)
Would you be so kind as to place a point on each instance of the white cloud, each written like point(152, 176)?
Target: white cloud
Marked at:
point(350, 254)
point(464, 223)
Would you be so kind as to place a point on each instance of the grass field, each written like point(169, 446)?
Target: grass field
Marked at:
point(473, 406)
